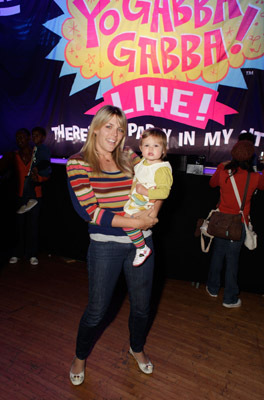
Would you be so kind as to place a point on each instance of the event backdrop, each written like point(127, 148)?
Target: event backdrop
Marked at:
point(192, 67)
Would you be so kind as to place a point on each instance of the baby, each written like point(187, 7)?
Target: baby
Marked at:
point(152, 181)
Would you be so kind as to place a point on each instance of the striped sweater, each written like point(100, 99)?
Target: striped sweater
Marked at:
point(97, 198)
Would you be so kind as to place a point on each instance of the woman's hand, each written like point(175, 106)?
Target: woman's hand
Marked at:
point(152, 211)
point(146, 219)
point(145, 222)
point(142, 213)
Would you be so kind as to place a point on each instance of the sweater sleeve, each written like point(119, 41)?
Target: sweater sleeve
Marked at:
point(163, 179)
point(82, 194)
point(214, 181)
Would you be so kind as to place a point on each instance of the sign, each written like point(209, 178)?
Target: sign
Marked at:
point(193, 68)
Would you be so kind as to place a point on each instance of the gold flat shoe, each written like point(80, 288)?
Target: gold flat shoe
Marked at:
point(146, 368)
point(77, 379)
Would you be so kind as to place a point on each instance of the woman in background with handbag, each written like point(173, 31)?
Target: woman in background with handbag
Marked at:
point(225, 250)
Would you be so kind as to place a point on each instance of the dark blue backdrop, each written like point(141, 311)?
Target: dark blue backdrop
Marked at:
point(33, 93)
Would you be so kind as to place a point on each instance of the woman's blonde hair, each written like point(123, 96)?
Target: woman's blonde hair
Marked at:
point(89, 151)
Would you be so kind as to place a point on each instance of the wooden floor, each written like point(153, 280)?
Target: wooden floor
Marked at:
point(200, 350)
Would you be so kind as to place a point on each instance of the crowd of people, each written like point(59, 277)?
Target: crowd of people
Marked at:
point(120, 194)
point(30, 166)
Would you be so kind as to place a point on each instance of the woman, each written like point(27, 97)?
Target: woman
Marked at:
point(100, 179)
point(228, 250)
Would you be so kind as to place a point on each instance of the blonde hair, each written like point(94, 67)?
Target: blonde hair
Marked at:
point(89, 152)
point(158, 133)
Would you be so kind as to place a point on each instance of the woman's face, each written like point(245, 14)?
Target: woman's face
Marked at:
point(108, 136)
point(22, 139)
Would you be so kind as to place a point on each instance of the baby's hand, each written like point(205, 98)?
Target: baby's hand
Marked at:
point(140, 189)
point(34, 174)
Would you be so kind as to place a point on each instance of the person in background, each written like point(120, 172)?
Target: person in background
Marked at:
point(27, 225)
point(10, 187)
point(7, 162)
point(152, 181)
point(249, 136)
point(39, 170)
point(100, 179)
point(224, 250)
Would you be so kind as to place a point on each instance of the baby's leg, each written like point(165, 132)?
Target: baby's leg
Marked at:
point(136, 236)
point(142, 250)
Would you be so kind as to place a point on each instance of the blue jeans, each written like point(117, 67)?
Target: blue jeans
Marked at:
point(229, 251)
point(106, 260)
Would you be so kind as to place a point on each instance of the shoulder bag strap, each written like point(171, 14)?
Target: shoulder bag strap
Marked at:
point(236, 190)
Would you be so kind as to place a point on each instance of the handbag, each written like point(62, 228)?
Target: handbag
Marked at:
point(229, 226)
point(225, 226)
point(251, 237)
point(203, 228)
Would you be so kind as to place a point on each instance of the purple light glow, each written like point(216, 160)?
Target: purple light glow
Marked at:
point(206, 171)
point(209, 170)
point(58, 160)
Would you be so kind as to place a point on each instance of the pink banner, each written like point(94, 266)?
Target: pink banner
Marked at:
point(183, 102)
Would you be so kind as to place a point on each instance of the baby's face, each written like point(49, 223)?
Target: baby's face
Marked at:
point(37, 137)
point(152, 149)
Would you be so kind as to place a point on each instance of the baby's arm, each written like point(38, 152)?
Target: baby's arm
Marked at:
point(141, 189)
point(163, 180)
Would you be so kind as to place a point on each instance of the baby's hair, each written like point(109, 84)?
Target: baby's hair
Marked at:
point(39, 129)
point(158, 133)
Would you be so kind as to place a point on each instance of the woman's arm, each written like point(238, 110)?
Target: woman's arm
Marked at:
point(152, 211)
point(82, 194)
point(214, 181)
point(155, 209)
point(143, 222)
point(85, 202)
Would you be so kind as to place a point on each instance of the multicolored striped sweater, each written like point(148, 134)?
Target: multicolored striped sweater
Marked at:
point(98, 198)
